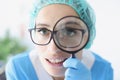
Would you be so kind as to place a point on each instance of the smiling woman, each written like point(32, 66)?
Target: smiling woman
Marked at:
point(61, 49)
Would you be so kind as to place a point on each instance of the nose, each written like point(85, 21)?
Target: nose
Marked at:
point(52, 47)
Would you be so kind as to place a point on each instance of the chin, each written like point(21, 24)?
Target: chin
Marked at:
point(56, 72)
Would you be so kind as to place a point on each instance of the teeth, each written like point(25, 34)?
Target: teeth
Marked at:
point(56, 60)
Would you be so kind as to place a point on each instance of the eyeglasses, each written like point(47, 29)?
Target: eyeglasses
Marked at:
point(43, 36)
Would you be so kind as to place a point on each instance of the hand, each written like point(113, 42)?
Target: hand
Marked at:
point(76, 70)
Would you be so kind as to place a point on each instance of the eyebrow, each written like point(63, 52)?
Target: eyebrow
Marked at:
point(71, 22)
point(46, 25)
point(42, 24)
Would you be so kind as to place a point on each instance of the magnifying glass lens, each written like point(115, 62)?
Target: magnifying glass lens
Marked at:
point(71, 34)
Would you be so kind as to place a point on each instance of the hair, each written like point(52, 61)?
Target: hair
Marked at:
point(83, 9)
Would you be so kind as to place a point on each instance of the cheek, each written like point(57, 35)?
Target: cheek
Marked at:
point(41, 49)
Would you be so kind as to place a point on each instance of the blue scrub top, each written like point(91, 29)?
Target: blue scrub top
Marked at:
point(20, 67)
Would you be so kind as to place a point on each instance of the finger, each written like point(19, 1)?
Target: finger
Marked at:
point(73, 63)
point(73, 74)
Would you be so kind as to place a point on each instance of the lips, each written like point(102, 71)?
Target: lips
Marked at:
point(57, 62)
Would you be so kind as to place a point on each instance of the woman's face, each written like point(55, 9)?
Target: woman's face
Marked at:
point(51, 57)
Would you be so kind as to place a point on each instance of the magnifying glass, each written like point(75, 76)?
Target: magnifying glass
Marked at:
point(71, 34)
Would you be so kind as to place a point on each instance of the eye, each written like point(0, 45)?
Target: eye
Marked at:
point(43, 31)
point(69, 32)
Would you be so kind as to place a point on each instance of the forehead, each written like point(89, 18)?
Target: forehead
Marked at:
point(52, 13)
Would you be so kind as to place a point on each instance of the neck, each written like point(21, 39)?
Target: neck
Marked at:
point(79, 54)
point(58, 78)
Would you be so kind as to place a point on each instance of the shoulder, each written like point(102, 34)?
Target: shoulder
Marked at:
point(19, 59)
point(21, 56)
point(20, 67)
point(102, 68)
point(100, 60)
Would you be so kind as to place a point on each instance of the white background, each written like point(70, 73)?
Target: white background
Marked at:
point(107, 39)
point(107, 42)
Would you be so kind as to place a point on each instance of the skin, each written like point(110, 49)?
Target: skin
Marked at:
point(47, 17)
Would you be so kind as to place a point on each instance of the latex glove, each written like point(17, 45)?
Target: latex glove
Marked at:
point(76, 70)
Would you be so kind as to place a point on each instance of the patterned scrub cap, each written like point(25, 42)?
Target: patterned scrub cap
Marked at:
point(83, 9)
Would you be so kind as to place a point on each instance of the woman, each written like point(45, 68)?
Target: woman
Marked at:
point(59, 29)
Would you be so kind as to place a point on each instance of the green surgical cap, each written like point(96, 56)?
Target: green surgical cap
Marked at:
point(82, 8)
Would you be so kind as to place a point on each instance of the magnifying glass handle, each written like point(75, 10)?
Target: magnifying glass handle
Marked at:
point(73, 56)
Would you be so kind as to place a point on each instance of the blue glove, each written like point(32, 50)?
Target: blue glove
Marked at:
point(76, 70)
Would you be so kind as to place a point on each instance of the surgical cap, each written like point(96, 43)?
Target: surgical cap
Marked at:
point(83, 9)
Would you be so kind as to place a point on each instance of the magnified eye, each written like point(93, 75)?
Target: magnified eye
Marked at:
point(69, 32)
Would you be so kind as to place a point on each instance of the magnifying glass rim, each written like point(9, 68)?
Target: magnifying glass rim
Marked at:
point(72, 52)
